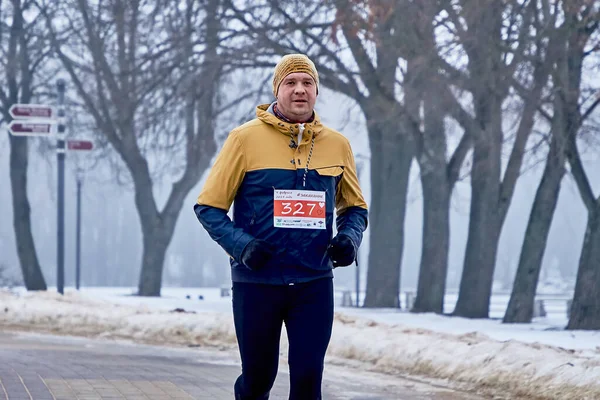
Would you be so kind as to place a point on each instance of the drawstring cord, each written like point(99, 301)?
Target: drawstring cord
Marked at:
point(310, 152)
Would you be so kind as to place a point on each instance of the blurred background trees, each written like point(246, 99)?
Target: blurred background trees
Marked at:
point(458, 104)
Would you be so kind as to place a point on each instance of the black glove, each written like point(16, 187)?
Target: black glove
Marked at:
point(256, 254)
point(341, 251)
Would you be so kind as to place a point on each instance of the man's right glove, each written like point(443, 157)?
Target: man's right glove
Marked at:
point(341, 251)
point(256, 254)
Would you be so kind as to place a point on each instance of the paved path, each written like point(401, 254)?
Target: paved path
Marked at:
point(44, 367)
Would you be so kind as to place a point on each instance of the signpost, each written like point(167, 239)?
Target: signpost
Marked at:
point(23, 127)
point(39, 120)
point(29, 111)
point(80, 145)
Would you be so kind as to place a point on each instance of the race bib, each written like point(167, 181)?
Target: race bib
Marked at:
point(299, 209)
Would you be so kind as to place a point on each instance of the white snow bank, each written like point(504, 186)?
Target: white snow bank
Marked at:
point(75, 314)
point(531, 370)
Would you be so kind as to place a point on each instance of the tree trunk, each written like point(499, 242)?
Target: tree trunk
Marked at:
point(585, 310)
point(483, 48)
point(436, 242)
point(436, 187)
point(392, 154)
point(30, 266)
point(522, 299)
point(482, 246)
point(126, 122)
point(155, 243)
point(20, 91)
point(566, 122)
point(157, 227)
point(521, 303)
point(484, 223)
point(157, 233)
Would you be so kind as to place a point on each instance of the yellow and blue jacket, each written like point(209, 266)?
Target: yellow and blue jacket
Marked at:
point(264, 155)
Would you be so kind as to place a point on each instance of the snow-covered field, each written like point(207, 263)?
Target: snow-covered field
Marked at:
point(534, 361)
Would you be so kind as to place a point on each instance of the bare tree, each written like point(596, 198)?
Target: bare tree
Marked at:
point(148, 73)
point(585, 309)
point(495, 37)
point(566, 120)
point(24, 50)
point(427, 94)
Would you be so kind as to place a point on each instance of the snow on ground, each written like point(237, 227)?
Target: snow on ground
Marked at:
point(538, 360)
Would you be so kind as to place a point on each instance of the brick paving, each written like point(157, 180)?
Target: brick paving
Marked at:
point(38, 367)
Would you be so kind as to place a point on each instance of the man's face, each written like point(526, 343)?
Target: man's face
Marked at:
point(297, 96)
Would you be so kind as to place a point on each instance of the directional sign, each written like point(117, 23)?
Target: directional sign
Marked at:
point(27, 128)
point(80, 145)
point(30, 111)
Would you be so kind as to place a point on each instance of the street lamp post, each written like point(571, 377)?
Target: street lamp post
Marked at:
point(78, 233)
point(60, 204)
point(359, 166)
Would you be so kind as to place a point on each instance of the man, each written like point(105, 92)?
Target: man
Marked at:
point(285, 173)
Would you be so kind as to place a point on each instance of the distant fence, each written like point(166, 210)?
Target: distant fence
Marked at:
point(545, 305)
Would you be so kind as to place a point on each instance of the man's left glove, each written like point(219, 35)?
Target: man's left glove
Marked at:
point(341, 251)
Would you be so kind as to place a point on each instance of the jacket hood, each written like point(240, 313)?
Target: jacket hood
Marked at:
point(263, 112)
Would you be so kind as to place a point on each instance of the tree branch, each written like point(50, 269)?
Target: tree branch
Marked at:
point(456, 76)
point(459, 114)
point(541, 75)
point(457, 159)
point(97, 52)
point(590, 109)
point(519, 53)
point(581, 179)
point(105, 124)
point(350, 89)
point(455, 19)
point(367, 70)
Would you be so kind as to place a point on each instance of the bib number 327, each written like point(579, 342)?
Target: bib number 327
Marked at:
point(303, 209)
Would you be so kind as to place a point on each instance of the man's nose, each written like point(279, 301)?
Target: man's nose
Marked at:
point(299, 88)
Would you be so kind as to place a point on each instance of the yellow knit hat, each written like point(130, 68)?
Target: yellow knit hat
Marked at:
point(291, 63)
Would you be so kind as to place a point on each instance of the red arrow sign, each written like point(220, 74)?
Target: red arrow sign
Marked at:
point(21, 111)
point(24, 128)
point(80, 145)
